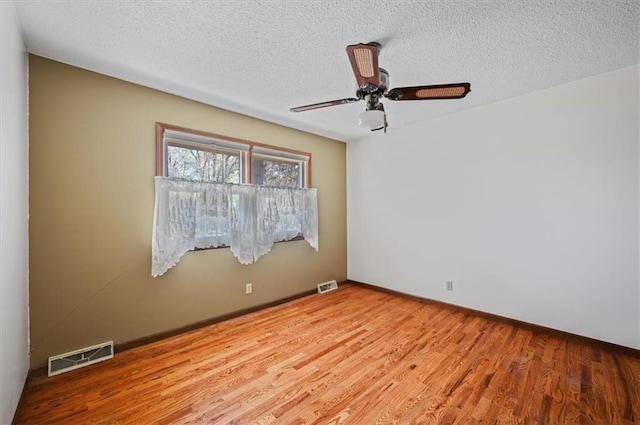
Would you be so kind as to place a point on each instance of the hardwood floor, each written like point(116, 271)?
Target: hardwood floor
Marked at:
point(351, 356)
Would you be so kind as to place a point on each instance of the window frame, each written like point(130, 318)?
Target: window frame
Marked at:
point(230, 143)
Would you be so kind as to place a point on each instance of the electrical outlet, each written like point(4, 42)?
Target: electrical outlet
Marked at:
point(449, 285)
point(248, 288)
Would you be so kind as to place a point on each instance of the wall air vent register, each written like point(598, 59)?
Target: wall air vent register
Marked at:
point(80, 358)
point(327, 286)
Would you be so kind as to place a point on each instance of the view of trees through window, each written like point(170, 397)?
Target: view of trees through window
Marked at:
point(210, 158)
point(203, 166)
point(270, 172)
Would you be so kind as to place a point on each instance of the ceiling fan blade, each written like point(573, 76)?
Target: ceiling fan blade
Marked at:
point(364, 61)
point(438, 91)
point(324, 104)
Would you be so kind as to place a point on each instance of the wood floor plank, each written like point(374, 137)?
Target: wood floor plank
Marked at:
point(349, 357)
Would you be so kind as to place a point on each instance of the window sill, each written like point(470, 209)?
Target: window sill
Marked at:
point(297, 238)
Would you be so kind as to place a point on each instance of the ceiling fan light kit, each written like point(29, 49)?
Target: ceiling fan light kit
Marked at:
point(373, 119)
point(373, 84)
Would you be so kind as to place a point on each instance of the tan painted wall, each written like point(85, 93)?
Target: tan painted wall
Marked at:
point(92, 146)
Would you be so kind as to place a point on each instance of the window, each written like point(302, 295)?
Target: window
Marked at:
point(204, 165)
point(205, 157)
point(196, 156)
point(274, 168)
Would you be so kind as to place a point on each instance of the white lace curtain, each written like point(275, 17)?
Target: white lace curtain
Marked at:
point(248, 219)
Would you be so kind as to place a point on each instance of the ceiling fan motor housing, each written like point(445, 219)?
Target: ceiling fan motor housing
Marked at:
point(370, 89)
point(384, 80)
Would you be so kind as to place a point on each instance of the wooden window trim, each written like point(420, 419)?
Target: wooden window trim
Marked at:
point(160, 149)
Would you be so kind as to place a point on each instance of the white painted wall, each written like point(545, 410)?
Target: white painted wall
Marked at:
point(14, 317)
point(530, 206)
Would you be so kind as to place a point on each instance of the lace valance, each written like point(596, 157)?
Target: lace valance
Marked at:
point(247, 218)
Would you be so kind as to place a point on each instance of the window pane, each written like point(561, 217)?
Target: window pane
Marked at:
point(203, 166)
point(269, 172)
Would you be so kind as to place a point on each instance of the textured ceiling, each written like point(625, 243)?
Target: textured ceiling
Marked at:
point(262, 57)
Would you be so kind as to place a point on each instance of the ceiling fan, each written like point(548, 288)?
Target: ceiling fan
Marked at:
point(373, 84)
